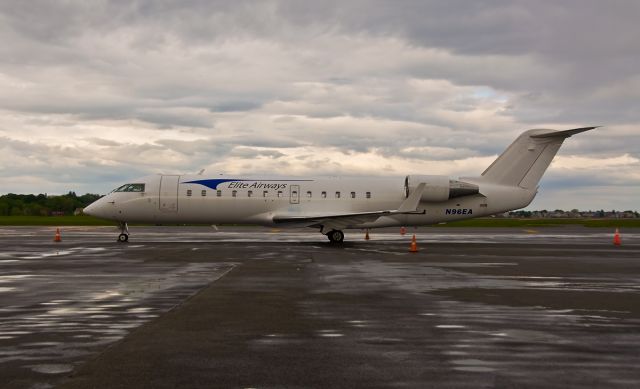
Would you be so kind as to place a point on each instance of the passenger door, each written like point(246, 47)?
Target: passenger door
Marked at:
point(168, 201)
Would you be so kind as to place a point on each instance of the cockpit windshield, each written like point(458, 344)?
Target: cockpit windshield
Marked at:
point(130, 188)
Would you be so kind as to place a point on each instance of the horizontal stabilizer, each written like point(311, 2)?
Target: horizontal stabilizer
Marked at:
point(563, 134)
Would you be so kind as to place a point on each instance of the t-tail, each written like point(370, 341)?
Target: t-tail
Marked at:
point(524, 162)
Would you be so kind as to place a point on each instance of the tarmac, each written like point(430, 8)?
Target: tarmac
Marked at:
point(246, 307)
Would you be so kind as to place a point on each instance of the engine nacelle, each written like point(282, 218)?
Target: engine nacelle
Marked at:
point(439, 188)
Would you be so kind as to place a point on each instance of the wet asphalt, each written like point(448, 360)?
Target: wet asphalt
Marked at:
point(258, 308)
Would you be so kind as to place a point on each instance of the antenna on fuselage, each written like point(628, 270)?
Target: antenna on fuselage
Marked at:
point(200, 172)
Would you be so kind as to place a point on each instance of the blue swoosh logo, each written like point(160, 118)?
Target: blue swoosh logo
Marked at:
point(213, 183)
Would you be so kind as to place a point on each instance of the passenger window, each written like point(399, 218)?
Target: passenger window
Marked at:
point(368, 195)
point(309, 194)
point(234, 193)
point(204, 193)
point(324, 195)
point(250, 193)
point(219, 193)
point(189, 192)
point(337, 195)
point(353, 195)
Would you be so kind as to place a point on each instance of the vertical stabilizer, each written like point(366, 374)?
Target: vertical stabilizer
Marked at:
point(524, 162)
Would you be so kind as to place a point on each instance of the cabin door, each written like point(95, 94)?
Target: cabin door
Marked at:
point(169, 193)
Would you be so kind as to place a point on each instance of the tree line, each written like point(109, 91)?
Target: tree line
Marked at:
point(43, 205)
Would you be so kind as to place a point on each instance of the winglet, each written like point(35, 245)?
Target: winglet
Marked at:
point(411, 203)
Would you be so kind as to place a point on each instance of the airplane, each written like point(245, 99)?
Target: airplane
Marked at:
point(333, 205)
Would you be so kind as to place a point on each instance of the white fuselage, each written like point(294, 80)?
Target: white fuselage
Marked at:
point(248, 200)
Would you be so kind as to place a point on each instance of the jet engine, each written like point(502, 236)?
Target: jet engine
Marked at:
point(439, 188)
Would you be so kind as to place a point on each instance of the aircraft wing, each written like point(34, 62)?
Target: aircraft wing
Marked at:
point(341, 221)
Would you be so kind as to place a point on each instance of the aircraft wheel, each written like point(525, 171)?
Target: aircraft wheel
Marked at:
point(122, 238)
point(335, 236)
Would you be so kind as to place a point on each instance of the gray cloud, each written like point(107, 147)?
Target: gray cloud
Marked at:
point(236, 106)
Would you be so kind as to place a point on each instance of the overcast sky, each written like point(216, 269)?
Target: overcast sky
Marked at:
point(94, 94)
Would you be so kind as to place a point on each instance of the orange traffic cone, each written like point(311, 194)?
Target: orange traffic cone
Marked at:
point(403, 231)
point(57, 238)
point(616, 238)
point(366, 234)
point(414, 246)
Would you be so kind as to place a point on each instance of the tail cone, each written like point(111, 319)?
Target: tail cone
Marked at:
point(414, 246)
point(57, 238)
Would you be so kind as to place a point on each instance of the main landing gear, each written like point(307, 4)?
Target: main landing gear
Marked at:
point(124, 233)
point(335, 236)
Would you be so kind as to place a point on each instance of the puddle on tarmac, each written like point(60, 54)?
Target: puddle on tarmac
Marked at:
point(475, 369)
point(472, 365)
point(52, 368)
point(329, 333)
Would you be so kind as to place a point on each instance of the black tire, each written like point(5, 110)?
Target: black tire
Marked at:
point(122, 238)
point(335, 236)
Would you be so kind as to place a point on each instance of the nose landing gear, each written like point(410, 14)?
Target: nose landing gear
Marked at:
point(124, 233)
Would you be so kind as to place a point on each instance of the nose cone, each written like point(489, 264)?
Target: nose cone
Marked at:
point(90, 209)
point(97, 209)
